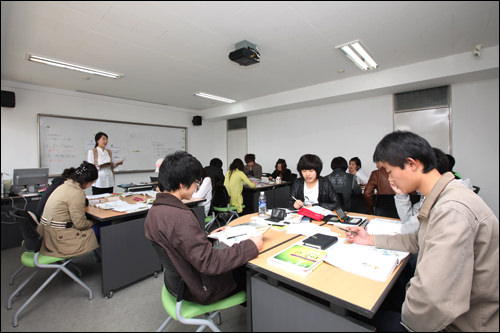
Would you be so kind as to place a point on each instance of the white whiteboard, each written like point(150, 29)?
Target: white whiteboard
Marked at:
point(65, 141)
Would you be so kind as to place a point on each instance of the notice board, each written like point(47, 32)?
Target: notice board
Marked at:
point(65, 141)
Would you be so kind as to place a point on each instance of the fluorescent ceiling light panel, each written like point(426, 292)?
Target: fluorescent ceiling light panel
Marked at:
point(217, 98)
point(66, 65)
point(358, 55)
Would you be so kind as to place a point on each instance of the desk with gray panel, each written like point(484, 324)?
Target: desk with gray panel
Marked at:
point(127, 255)
point(276, 196)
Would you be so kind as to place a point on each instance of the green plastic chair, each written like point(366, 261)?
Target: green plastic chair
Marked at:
point(32, 258)
point(185, 311)
point(229, 210)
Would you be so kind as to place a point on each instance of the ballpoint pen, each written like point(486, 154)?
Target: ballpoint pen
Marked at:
point(294, 198)
point(352, 232)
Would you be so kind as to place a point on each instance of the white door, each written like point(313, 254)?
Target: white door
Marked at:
point(431, 124)
point(236, 145)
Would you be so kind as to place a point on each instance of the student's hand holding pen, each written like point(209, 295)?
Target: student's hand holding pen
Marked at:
point(258, 241)
point(298, 203)
point(359, 235)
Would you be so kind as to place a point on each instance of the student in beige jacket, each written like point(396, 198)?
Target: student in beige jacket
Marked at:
point(64, 227)
point(455, 286)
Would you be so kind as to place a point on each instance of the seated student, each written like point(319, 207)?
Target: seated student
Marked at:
point(455, 287)
point(204, 190)
point(281, 170)
point(214, 171)
point(464, 181)
point(342, 181)
point(355, 169)
point(234, 183)
point(210, 274)
point(312, 189)
point(379, 181)
point(406, 210)
point(64, 227)
point(251, 168)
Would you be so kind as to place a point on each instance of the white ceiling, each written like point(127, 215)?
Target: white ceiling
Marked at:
point(170, 50)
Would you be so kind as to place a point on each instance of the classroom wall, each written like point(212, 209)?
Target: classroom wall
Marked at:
point(19, 127)
point(353, 128)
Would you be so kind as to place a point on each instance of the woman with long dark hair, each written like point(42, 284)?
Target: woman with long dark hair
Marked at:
point(234, 183)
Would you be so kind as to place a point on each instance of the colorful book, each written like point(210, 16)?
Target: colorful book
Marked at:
point(298, 259)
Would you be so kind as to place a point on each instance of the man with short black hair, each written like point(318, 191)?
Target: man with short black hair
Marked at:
point(455, 286)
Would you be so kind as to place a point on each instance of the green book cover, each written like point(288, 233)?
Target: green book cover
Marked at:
point(299, 256)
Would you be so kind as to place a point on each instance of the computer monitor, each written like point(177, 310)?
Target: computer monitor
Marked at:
point(30, 179)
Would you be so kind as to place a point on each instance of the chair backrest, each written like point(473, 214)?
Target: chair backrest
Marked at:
point(199, 212)
point(27, 226)
point(221, 197)
point(171, 278)
point(385, 206)
point(341, 200)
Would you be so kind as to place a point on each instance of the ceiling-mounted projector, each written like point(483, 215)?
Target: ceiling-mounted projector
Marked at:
point(246, 54)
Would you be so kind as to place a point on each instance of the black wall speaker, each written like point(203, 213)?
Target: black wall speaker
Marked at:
point(197, 120)
point(8, 99)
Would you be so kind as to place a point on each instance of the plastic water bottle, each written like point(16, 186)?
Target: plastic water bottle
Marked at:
point(262, 204)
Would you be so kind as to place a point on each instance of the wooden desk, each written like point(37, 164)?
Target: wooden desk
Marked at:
point(276, 196)
point(279, 300)
point(127, 255)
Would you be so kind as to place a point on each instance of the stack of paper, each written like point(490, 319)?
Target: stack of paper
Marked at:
point(240, 232)
point(122, 206)
point(298, 259)
point(379, 226)
point(368, 261)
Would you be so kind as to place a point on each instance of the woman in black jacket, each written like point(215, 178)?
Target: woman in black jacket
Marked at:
point(281, 170)
point(311, 188)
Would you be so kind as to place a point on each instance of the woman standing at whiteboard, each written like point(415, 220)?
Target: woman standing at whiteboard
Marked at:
point(102, 159)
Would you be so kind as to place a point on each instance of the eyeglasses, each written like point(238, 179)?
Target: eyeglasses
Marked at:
point(198, 183)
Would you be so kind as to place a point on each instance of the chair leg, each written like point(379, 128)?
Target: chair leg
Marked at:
point(165, 323)
point(75, 267)
point(13, 276)
point(67, 271)
point(21, 286)
point(32, 297)
point(195, 321)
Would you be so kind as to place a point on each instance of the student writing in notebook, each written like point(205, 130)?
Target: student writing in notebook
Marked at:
point(455, 286)
point(311, 188)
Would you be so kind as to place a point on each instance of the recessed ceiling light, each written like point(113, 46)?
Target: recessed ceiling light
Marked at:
point(66, 65)
point(217, 98)
point(354, 51)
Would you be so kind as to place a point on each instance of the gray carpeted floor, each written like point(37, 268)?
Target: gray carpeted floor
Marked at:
point(64, 305)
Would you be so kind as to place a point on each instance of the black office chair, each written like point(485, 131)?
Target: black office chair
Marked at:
point(385, 206)
point(358, 204)
point(341, 200)
point(184, 311)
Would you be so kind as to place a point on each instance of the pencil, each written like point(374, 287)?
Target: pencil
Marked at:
point(352, 232)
